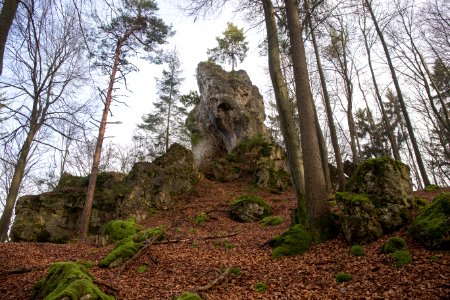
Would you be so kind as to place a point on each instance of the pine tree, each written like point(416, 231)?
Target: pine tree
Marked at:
point(232, 46)
point(165, 125)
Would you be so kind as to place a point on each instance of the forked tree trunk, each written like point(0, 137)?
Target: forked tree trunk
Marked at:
point(409, 127)
point(85, 217)
point(290, 135)
point(315, 186)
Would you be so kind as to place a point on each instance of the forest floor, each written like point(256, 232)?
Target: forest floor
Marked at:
point(197, 254)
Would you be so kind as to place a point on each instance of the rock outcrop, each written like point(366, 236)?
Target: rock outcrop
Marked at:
point(379, 195)
point(228, 135)
point(55, 216)
point(231, 110)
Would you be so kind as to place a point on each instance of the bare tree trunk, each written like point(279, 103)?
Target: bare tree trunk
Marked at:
point(412, 137)
point(6, 19)
point(284, 107)
point(13, 192)
point(85, 217)
point(315, 185)
point(387, 124)
point(326, 99)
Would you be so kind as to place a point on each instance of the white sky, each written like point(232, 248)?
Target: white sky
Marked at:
point(192, 39)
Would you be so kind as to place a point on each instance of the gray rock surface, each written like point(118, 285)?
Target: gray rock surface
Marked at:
point(55, 216)
point(379, 195)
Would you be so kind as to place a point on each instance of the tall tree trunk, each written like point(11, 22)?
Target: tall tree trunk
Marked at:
point(387, 124)
point(284, 107)
point(13, 192)
point(329, 111)
point(409, 127)
point(315, 185)
point(6, 19)
point(323, 153)
point(85, 217)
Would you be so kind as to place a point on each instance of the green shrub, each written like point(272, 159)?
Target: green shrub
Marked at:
point(260, 287)
point(271, 221)
point(401, 258)
point(431, 227)
point(201, 218)
point(188, 296)
point(394, 244)
point(357, 250)
point(120, 229)
point(67, 280)
point(296, 240)
point(343, 277)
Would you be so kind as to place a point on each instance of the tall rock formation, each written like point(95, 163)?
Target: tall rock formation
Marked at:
point(231, 110)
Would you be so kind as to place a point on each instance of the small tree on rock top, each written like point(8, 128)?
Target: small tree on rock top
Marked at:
point(232, 46)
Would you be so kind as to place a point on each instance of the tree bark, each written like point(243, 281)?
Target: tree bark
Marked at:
point(6, 19)
point(387, 124)
point(85, 217)
point(13, 192)
point(409, 127)
point(315, 186)
point(329, 111)
point(288, 128)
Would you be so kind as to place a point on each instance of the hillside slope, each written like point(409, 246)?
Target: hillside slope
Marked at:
point(196, 254)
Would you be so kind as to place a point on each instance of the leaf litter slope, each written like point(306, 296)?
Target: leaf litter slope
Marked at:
point(196, 254)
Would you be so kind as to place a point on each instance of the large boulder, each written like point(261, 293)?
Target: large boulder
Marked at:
point(377, 200)
point(230, 110)
point(55, 216)
point(249, 208)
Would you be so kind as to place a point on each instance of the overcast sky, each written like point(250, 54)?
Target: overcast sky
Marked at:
point(192, 39)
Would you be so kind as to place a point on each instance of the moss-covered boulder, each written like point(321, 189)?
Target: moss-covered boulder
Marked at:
point(294, 241)
point(68, 280)
point(379, 195)
point(129, 246)
point(120, 229)
point(431, 227)
point(55, 216)
point(385, 179)
point(249, 208)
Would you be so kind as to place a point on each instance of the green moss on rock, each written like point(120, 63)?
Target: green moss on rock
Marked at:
point(153, 232)
point(248, 208)
point(401, 258)
point(294, 241)
point(124, 249)
point(68, 279)
point(188, 296)
point(120, 229)
point(343, 277)
point(431, 188)
point(431, 227)
point(394, 244)
point(271, 221)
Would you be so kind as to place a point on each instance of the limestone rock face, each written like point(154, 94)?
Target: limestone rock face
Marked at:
point(231, 110)
point(379, 195)
point(55, 216)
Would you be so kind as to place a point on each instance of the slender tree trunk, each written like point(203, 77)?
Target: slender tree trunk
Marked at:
point(168, 121)
point(315, 185)
point(387, 124)
point(284, 107)
point(13, 192)
point(326, 99)
point(323, 154)
point(409, 127)
point(6, 19)
point(84, 225)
